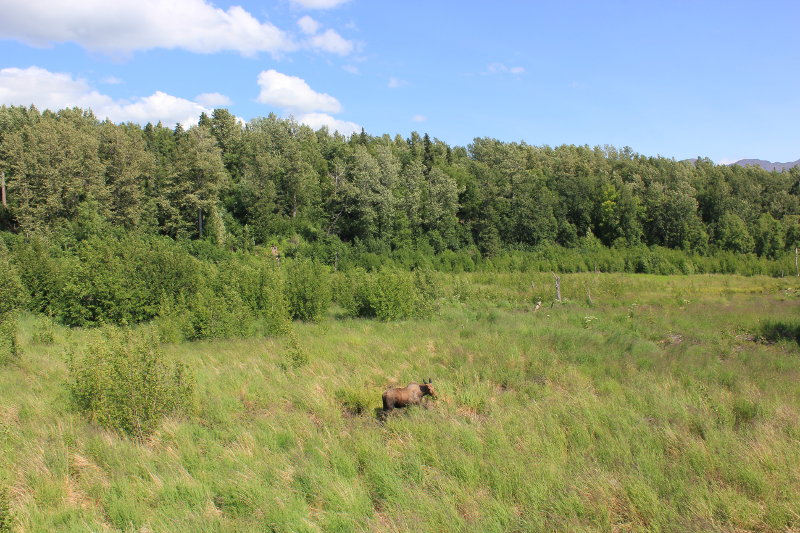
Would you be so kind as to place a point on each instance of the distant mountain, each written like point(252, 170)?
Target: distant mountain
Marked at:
point(767, 165)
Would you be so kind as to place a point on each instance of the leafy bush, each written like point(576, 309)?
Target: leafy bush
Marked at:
point(260, 284)
point(9, 349)
point(776, 330)
point(12, 291)
point(389, 294)
point(307, 289)
point(123, 382)
point(123, 281)
point(5, 509)
point(45, 332)
point(355, 400)
point(295, 355)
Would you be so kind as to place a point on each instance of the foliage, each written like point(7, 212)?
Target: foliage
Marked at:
point(388, 294)
point(12, 291)
point(6, 519)
point(777, 330)
point(9, 346)
point(295, 356)
point(124, 382)
point(241, 186)
point(307, 289)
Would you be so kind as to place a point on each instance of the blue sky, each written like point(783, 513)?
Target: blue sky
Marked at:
point(672, 78)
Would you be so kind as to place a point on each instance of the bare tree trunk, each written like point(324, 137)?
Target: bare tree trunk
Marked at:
point(3, 187)
point(558, 286)
point(796, 266)
point(200, 222)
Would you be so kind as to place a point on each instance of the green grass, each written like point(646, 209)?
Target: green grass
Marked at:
point(664, 412)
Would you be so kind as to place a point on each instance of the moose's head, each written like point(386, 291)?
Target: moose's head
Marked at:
point(427, 388)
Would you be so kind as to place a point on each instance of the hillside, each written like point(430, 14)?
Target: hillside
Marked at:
point(767, 165)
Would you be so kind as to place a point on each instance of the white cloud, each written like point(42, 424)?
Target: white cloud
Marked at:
point(330, 41)
point(158, 106)
point(352, 69)
point(318, 4)
point(500, 68)
point(293, 94)
point(123, 26)
point(213, 99)
point(318, 120)
point(112, 80)
point(394, 83)
point(419, 118)
point(308, 25)
point(53, 90)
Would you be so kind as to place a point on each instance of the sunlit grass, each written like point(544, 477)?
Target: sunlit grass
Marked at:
point(663, 412)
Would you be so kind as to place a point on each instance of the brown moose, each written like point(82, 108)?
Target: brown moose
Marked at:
point(411, 394)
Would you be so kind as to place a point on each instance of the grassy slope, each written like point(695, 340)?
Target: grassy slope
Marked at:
point(657, 414)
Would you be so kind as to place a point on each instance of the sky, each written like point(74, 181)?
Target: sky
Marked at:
point(673, 78)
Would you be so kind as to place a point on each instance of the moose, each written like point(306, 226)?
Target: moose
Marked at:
point(411, 394)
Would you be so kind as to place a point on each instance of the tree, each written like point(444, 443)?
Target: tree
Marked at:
point(731, 234)
point(53, 165)
point(128, 167)
point(194, 183)
point(769, 236)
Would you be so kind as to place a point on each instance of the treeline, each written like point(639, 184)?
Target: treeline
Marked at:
point(274, 181)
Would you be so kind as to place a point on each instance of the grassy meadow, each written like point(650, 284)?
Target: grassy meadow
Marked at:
point(641, 403)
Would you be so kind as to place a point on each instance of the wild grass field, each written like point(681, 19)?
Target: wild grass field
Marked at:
point(641, 403)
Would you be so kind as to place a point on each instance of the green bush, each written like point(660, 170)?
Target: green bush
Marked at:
point(124, 382)
point(261, 285)
point(45, 332)
point(122, 281)
point(9, 348)
point(5, 509)
point(218, 314)
point(389, 294)
point(777, 330)
point(12, 291)
point(233, 298)
point(295, 355)
point(307, 289)
point(355, 400)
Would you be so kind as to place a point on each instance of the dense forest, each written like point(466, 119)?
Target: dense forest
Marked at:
point(271, 179)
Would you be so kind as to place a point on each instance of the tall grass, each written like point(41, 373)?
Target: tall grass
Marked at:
point(663, 413)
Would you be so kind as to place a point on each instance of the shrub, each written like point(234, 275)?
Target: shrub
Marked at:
point(776, 330)
point(295, 355)
point(261, 286)
point(123, 281)
point(9, 349)
point(389, 294)
point(307, 289)
point(12, 291)
point(5, 509)
point(123, 382)
point(355, 400)
point(218, 314)
point(40, 272)
point(45, 332)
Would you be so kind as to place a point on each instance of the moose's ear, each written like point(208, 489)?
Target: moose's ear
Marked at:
point(430, 381)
